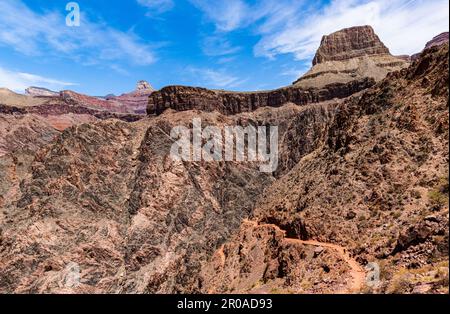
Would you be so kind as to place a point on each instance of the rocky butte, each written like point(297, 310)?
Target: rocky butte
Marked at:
point(350, 54)
point(362, 181)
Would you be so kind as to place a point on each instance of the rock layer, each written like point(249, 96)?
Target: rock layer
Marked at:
point(350, 43)
point(182, 98)
point(137, 100)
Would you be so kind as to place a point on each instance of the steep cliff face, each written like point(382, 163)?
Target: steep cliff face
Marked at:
point(350, 54)
point(182, 98)
point(29, 122)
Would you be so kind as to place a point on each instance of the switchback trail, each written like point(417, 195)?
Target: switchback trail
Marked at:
point(357, 272)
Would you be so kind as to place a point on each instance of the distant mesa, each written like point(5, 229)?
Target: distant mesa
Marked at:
point(40, 92)
point(137, 100)
point(350, 54)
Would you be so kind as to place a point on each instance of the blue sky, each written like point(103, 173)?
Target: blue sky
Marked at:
point(227, 44)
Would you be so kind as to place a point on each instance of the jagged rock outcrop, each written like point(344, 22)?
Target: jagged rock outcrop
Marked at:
point(40, 92)
point(162, 217)
point(182, 98)
point(350, 54)
point(259, 259)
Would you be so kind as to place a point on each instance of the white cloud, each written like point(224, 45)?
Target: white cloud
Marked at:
point(157, 6)
point(19, 81)
point(213, 78)
point(38, 34)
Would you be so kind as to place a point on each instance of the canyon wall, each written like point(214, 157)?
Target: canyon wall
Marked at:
point(182, 98)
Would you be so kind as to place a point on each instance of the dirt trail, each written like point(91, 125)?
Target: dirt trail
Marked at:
point(357, 272)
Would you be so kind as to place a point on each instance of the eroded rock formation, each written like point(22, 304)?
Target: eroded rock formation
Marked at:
point(350, 54)
point(349, 43)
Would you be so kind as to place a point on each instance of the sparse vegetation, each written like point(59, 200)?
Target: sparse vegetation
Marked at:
point(438, 197)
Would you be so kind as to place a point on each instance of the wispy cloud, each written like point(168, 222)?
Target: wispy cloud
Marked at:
point(19, 81)
point(213, 78)
point(226, 15)
point(225, 60)
point(215, 46)
point(37, 34)
point(231, 15)
point(157, 6)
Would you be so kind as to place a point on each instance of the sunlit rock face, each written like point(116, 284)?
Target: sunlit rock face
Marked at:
point(350, 54)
